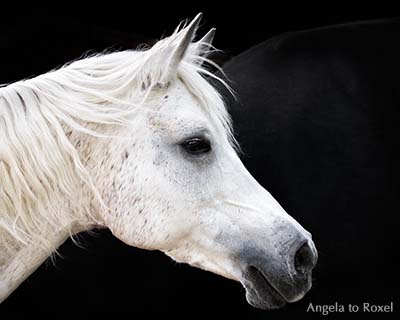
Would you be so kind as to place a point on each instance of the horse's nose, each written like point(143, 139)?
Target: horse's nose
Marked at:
point(305, 258)
point(275, 276)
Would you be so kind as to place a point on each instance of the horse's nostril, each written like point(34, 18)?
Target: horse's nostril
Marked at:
point(304, 260)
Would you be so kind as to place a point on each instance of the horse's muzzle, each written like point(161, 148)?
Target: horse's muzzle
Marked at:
point(273, 280)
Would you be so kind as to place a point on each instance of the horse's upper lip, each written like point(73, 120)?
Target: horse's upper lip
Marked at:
point(261, 292)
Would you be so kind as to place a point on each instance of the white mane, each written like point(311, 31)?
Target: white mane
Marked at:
point(39, 166)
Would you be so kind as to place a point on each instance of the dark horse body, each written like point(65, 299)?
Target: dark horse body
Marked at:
point(318, 119)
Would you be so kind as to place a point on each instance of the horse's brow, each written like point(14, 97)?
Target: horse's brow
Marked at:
point(193, 126)
point(192, 130)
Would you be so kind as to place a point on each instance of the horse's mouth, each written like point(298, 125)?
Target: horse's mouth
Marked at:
point(260, 293)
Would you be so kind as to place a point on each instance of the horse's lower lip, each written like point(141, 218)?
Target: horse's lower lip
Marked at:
point(260, 292)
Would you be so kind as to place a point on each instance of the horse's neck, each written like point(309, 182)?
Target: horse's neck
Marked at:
point(16, 269)
point(20, 258)
point(18, 266)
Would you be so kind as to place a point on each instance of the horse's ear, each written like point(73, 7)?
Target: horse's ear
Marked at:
point(202, 47)
point(180, 48)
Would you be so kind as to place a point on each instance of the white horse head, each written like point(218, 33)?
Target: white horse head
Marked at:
point(141, 143)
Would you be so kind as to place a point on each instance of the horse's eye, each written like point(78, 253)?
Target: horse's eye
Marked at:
point(196, 145)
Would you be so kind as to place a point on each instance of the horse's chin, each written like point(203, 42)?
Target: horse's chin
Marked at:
point(260, 293)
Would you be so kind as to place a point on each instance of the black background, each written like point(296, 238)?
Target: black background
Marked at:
point(106, 275)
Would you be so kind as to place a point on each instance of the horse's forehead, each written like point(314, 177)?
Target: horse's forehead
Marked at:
point(177, 113)
point(180, 110)
point(178, 102)
point(177, 91)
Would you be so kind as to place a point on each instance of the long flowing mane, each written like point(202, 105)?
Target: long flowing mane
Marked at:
point(39, 166)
